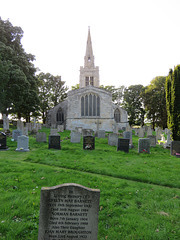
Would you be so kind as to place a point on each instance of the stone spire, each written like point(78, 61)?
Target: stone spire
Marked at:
point(89, 74)
point(89, 58)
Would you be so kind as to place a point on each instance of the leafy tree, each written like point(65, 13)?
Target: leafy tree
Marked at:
point(18, 84)
point(133, 104)
point(117, 93)
point(154, 98)
point(51, 92)
point(173, 102)
point(75, 87)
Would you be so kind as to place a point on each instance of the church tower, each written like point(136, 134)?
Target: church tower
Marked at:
point(89, 74)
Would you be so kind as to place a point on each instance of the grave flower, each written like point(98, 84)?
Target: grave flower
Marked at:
point(178, 155)
point(144, 150)
point(88, 146)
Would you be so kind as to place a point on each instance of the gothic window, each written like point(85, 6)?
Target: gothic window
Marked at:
point(60, 116)
point(91, 81)
point(90, 105)
point(117, 116)
point(87, 81)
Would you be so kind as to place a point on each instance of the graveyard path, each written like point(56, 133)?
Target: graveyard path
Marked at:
point(128, 178)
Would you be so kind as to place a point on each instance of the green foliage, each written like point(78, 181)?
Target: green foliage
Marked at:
point(134, 105)
point(154, 98)
point(117, 93)
point(51, 92)
point(18, 84)
point(75, 87)
point(173, 102)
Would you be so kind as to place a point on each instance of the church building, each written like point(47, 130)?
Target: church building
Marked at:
point(90, 106)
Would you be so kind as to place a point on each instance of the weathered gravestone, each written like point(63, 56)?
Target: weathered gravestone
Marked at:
point(112, 139)
point(144, 145)
point(22, 144)
point(15, 134)
point(87, 132)
point(54, 141)
point(3, 143)
point(68, 211)
point(54, 131)
point(123, 145)
point(149, 131)
point(60, 128)
point(88, 142)
point(152, 140)
point(141, 133)
point(128, 135)
point(5, 122)
point(175, 147)
point(101, 134)
point(41, 137)
point(75, 137)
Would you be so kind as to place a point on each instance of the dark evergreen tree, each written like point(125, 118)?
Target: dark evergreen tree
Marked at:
point(173, 102)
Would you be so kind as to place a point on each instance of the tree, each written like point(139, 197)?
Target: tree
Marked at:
point(18, 84)
point(75, 87)
point(51, 92)
point(154, 98)
point(173, 102)
point(117, 93)
point(134, 105)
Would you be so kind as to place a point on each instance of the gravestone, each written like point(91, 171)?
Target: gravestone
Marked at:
point(25, 131)
point(41, 137)
point(128, 128)
point(75, 137)
point(87, 132)
point(22, 144)
point(152, 140)
point(60, 128)
point(101, 134)
point(88, 142)
point(141, 133)
point(112, 139)
point(78, 129)
point(175, 147)
point(128, 135)
point(123, 144)
point(3, 143)
point(68, 211)
point(15, 134)
point(54, 131)
point(149, 131)
point(144, 145)
point(5, 122)
point(158, 134)
point(168, 141)
point(54, 141)
point(20, 125)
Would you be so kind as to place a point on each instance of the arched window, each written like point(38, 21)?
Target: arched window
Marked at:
point(60, 116)
point(117, 116)
point(90, 105)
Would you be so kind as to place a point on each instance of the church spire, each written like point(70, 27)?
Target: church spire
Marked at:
point(89, 58)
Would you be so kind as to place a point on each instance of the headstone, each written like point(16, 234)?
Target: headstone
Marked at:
point(28, 125)
point(128, 135)
point(60, 128)
point(149, 131)
point(78, 129)
point(15, 134)
point(67, 212)
point(152, 140)
point(20, 125)
point(168, 141)
point(101, 134)
point(144, 145)
point(22, 144)
point(54, 141)
point(54, 132)
point(75, 137)
point(41, 137)
point(136, 131)
point(175, 147)
point(3, 143)
point(123, 145)
point(25, 131)
point(128, 128)
point(87, 132)
point(88, 142)
point(158, 134)
point(5, 122)
point(112, 139)
point(115, 128)
point(141, 133)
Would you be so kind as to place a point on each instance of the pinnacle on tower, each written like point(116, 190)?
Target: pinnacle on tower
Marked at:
point(89, 58)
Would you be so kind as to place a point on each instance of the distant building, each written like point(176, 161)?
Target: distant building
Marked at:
point(90, 106)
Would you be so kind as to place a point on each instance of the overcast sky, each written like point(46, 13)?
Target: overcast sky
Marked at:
point(133, 40)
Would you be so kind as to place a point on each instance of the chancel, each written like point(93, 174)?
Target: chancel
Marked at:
point(90, 104)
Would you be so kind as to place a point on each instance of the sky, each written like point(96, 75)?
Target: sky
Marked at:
point(133, 40)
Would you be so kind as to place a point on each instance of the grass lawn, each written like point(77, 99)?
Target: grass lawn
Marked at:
point(140, 193)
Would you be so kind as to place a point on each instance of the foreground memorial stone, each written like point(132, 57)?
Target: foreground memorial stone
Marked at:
point(144, 145)
point(41, 137)
point(112, 139)
point(68, 211)
point(88, 142)
point(75, 137)
point(3, 143)
point(54, 141)
point(22, 144)
point(123, 145)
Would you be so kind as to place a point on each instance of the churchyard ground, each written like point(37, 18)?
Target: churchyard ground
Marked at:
point(140, 193)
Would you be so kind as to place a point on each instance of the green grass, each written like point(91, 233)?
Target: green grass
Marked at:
point(140, 193)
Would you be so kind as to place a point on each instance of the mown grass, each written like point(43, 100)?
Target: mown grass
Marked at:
point(140, 193)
